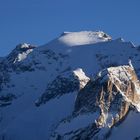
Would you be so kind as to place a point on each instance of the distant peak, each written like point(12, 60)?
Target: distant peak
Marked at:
point(24, 46)
point(83, 37)
point(20, 52)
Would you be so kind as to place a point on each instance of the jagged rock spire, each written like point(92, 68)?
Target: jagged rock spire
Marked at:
point(130, 63)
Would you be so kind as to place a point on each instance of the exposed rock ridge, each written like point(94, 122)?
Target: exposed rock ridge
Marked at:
point(113, 93)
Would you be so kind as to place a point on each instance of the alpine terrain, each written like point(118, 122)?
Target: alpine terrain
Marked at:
point(80, 86)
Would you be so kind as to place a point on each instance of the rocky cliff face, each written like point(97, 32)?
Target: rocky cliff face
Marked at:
point(110, 96)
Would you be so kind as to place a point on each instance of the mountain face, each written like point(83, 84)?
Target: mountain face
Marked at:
point(108, 99)
point(80, 86)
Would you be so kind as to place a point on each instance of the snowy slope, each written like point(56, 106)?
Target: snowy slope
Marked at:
point(35, 123)
point(31, 75)
point(102, 50)
point(129, 129)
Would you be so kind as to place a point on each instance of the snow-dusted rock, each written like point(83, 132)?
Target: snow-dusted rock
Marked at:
point(108, 100)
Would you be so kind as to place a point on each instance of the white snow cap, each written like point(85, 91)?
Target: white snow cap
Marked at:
point(83, 38)
point(81, 76)
point(24, 45)
point(23, 55)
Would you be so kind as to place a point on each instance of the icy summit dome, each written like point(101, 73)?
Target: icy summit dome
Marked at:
point(83, 38)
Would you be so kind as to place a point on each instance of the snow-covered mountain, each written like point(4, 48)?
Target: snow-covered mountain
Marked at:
point(80, 86)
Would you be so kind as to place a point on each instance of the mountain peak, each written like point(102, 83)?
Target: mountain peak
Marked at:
point(105, 102)
point(24, 46)
point(81, 85)
point(83, 37)
point(20, 52)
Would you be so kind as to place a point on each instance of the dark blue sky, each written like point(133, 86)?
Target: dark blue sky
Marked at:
point(38, 21)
